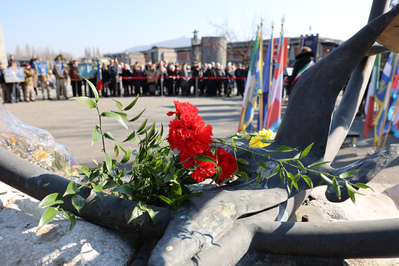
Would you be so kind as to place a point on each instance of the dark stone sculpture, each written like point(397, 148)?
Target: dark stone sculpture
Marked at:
point(220, 226)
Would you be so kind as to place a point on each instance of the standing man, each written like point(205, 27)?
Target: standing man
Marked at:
point(61, 75)
point(29, 92)
point(240, 80)
point(112, 77)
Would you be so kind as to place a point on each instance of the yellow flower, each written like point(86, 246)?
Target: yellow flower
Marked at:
point(256, 142)
point(39, 154)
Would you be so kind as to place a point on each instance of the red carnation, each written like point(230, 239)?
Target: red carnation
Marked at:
point(190, 136)
point(184, 109)
point(227, 162)
point(204, 168)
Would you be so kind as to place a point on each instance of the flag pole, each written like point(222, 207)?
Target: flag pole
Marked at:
point(390, 122)
point(260, 94)
point(386, 102)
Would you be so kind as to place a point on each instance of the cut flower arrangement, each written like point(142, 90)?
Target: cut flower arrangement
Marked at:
point(162, 171)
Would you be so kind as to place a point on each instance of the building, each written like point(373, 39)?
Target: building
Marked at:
point(217, 49)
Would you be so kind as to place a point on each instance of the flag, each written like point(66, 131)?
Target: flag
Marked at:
point(277, 45)
point(383, 98)
point(267, 82)
point(369, 106)
point(395, 114)
point(99, 77)
point(253, 86)
point(311, 41)
point(274, 102)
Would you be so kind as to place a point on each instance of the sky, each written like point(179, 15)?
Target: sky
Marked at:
point(113, 26)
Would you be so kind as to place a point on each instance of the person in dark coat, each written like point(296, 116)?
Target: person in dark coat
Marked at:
point(240, 75)
point(136, 79)
point(106, 80)
point(210, 74)
point(304, 59)
point(126, 82)
point(171, 80)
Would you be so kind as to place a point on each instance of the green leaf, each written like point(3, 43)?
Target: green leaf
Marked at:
point(337, 188)
point(258, 178)
point(308, 181)
point(98, 189)
point(130, 106)
point(116, 150)
point(94, 90)
point(275, 171)
point(350, 188)
point(124, 190)
point(289, 185)
point(297, 156)
point(265, 140)
point(364, 186)
point(242, 161)
point(118, 104)
point(131, 137)
point(204, 158)
point(52, 199)
point(293, 181)
point(83, 169)
point(285, 149)
point(285, 160)
point(121, 114)
point(108, 163)
point(244, 175)
point(78, 202)
point(349, 173)
point(72, 219)
point(234, 144)
point(166, 200)
point(142, 125)
point(313, 165)
point(109, 135)
point(110, 184)
point(328, 180)
point(306, 151)
point(137, 116)
point(115, 116)
point(95, 135)
point(47, 216)
point(139, 210)
point(352, 196)
point(283, 176)
point(176, 191)
point(86, 100)
point(262, 164)
point(126, 158)
point(71, 189)
point(301, 167)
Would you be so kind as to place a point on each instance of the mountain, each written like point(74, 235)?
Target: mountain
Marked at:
point(174, 43)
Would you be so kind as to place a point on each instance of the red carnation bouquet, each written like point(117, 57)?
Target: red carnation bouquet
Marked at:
point(192, 138)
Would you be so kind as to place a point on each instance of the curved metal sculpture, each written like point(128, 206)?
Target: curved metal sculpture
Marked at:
point(219, 226)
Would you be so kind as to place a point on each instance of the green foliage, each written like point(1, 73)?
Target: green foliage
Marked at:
point(153, 174)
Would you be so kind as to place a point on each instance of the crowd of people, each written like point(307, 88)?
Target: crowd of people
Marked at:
point(14, 92)
point(171, 79)
point(123, 80)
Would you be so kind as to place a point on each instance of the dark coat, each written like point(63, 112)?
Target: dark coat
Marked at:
point(301, 60)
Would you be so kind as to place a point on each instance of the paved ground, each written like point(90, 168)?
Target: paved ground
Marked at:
point(71, 123)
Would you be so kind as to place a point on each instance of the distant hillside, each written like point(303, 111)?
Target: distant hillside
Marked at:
point(174, 43)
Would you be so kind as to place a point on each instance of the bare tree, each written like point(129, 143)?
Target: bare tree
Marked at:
point(18, 52)
point(27, 51)
point(239, 45)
